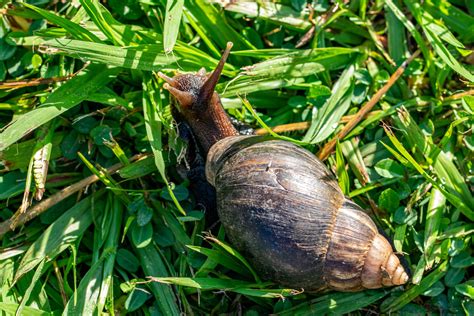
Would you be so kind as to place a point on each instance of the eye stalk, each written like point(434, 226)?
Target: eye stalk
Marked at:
point(207, 89)
point(200, 105)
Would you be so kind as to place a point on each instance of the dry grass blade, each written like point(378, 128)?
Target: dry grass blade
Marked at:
point(329, 146)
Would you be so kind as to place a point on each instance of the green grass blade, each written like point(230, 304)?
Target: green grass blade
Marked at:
point(62, 99)
point(335, 304)
point(443, 165)
point(405, 155)
point(85, 298)
point(397, 41)
point(423, 18)
point(207, 284)
point(105, 22)
point(209, 18)
point(235, 254)
point(341, 172)
point(144, 57)
point(174, 12)
point(456, 19)
point(409, 295)
point(75, 30)
point(153, 124)
point(267, 10)
point(111, 244)
point(434, 216)
point(325, 122)
point(221, 258)
point(284, 70)
point(29, 290)
point(58, 236)
point(413, 31)
point(153, 266)
point(10, 309)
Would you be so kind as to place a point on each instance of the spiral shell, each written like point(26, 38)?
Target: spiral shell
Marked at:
point(284, 210)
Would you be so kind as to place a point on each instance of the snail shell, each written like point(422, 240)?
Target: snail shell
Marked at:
point(284, 210)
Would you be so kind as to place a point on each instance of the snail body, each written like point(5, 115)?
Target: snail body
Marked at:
point(280, 206)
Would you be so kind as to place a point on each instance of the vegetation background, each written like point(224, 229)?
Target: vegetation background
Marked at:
point(79, 92)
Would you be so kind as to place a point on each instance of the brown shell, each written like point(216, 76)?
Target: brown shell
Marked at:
point(284, 210)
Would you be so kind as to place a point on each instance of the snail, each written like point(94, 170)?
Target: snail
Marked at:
point(279, 205)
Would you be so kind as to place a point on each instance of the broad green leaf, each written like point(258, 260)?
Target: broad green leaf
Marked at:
point(466, 289)
point(388, 168)
point(141, 235)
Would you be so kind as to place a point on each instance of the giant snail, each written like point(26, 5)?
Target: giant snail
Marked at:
point(280, 205)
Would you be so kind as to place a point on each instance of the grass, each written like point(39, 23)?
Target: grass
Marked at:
point(84, 118)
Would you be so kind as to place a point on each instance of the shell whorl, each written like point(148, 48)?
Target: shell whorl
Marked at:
point(284, 210)
point(359, 257)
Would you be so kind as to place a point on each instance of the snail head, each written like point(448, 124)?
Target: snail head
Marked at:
point(194, 92)
point(199, 105)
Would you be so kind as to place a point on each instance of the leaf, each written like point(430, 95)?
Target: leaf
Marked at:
point(153, 265)
point(221, 258)
point(226, 284)
point(110, 247)
point(151, 105)
point(136, 299)
point(435, 41)
point(106, 23)
point(144, 57)
point(335, 303)
point(29, 290)
point(85, 298)
point(416, 290)
point(235, 254)
point(275, 12)
point(174, 12)
point(466, 289)
point(10, 309)
point(141, 235)
point(75, 30)
point(325, 122)
point(62, 99)
point(283, 70)
point(127, 260)
point(388, 168)
point(58, 236)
